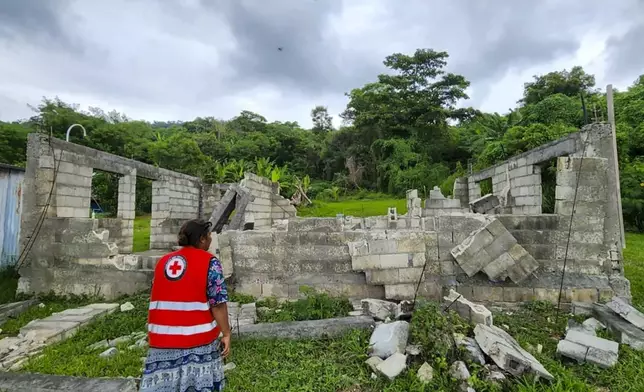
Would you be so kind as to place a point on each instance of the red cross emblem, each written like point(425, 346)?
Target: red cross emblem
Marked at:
point(175, 267)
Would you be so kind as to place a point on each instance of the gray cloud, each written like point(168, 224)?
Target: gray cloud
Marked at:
point(38, 21)
point(198, 57)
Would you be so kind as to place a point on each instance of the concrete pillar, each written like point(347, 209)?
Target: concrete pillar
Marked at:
point(127, 210)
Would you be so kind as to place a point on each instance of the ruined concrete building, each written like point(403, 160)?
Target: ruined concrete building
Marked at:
point(497, 248)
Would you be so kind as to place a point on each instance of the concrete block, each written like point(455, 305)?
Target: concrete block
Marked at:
point(501, 244)
point(598, 351)
point(506, 352)
point(622, 330)
point(306, 329)
point(498, 267)
point(627, 312)
point(393, 366)
point(475, 313)
point(485, 204)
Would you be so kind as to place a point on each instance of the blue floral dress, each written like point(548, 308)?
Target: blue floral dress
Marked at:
point(198, 369)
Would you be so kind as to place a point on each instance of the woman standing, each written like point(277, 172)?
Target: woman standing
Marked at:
point(188, 314)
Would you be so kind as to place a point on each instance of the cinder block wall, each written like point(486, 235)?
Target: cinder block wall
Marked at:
point(268, 204)
point(278, 263)
point(73, 253)
point(174, 201)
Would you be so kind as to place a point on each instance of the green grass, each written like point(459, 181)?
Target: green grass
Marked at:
point(358, 208)
point(634, 266)
point(141, 233)
point(315, 306)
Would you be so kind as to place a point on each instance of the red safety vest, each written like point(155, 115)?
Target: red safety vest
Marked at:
point(179, 315)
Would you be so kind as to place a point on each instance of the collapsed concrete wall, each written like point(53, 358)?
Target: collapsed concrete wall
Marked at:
point(390, 256)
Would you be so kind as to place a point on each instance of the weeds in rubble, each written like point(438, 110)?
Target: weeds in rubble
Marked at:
point(315, 306)
point(240, 298)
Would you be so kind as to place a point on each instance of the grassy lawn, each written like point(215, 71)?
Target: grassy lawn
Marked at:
point(359, 208)
point(141, 233)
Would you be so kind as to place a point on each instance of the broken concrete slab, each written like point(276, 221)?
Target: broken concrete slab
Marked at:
point(575, 326)
point(389, 338)
point(306, 329)
point(472, 349)
point(373, 362)
point(485, 205)
point(425, 373)
point(14, 309)
point(224, 208)
point(475, 313)
point(495, 251)
point(506, 352)
point(459, 371)
point(379, 309)
point(581, 308)
point(622, 330)
point(627, 312)
point(586, 348)
point(393, 366)
point(593, 324)
point(29, 382)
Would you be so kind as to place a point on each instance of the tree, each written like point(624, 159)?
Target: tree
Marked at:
point(322, 121)
point(559, 82)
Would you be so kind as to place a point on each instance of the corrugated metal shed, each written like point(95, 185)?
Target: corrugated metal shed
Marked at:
point(11, 182)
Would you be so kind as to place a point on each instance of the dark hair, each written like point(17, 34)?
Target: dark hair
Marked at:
point(192, 231)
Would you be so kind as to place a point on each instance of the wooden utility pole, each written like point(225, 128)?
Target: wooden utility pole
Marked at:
point(611, 120)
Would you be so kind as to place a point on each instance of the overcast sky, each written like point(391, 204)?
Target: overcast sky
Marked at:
point(175, 60)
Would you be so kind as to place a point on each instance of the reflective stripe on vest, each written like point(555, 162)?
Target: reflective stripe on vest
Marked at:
point(184, 331)
point(179, 306)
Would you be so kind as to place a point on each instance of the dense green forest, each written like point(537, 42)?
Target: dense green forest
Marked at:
point(404, 130)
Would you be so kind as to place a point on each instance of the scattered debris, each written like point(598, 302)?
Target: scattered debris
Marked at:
point(496, 377)
point(594, 324)
point(627, 312)
point(575, 326)
point(126, 307)
point(41, 305)
point(413, 350)
point(394, 365)
point(229, 366)
point(506, 352)
point(459, 371)
point(425, 373)
point(373, 362)
point(621, 329)
point(586, 348)
point(473, 351)
point(477, 314)
point(379, 309)
point(109, 352)
point(388, 339)
point(404, 310)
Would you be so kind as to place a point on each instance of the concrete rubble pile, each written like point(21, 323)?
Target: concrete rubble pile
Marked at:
point(390, 352)
point(495, 251)
point(622, 320)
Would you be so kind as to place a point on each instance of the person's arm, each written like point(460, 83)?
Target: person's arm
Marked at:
point(217, 293)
